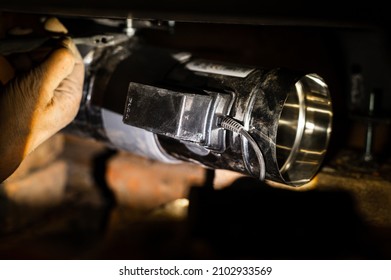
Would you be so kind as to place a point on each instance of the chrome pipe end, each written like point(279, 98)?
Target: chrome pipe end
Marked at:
point(304, 130)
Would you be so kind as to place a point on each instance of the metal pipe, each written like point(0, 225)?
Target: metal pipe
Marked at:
point(172, 105)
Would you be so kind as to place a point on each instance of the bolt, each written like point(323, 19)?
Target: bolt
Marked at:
point(368, 155)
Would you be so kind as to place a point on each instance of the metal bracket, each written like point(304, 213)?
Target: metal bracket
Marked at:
point(188, 117)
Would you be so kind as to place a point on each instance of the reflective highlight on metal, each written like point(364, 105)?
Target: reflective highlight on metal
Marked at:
point(304, 129)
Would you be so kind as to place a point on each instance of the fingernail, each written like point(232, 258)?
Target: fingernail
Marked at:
point(20, 31)
point(52, 24)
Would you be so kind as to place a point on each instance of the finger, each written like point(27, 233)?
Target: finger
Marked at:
point(21, 62)
point(58, 65)
point(7, 72)
point(52, 24)
point(67, 95)
point(68, 43)
point(54, 70)
point(35, 88)
point(38, 55)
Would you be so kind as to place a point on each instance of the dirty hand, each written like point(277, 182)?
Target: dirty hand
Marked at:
point(37, 103)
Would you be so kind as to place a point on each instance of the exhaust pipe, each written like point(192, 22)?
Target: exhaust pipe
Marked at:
point(273, 124)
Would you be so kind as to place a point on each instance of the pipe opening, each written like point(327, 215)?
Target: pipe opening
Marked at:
point(304, 130)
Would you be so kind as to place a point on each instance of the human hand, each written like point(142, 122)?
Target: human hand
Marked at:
point(36, 103)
